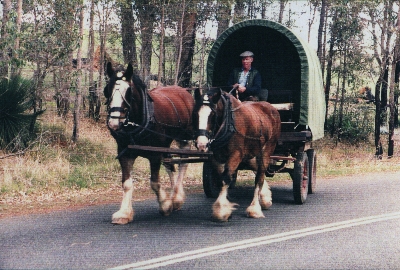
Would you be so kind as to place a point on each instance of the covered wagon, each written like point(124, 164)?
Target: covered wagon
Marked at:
point(291, 81)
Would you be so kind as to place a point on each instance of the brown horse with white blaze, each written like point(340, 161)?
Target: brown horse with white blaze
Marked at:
point(147, 118)
point(238, 133)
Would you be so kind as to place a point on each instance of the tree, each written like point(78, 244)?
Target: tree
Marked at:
point(147, 14)
point(320, 33)
point(394, 80)
point(187, 37)
point(94, 99)
point(5, 42)
point(382, 56)
point(223, 15)
point(128, 33)
point(282, 4)
point(78, 97)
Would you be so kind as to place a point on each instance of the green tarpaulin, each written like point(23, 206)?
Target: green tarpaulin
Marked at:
point(289, 68)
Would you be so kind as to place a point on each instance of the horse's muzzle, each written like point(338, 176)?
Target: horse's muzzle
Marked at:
point(114, 124)
point(202, 143)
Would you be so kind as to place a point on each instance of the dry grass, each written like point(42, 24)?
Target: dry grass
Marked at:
point(57, 174)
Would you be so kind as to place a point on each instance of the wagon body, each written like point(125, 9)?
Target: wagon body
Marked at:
point(291, 75)
point(289, 68)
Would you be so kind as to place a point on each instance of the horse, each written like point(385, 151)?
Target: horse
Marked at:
point(238, 133)
point(147, 118)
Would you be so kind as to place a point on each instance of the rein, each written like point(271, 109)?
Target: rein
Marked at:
point(139, 131)
point(227, 128)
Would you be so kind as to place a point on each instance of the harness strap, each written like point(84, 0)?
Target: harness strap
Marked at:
point(227, 128)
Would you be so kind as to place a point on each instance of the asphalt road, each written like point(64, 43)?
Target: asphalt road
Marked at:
point(350, 223)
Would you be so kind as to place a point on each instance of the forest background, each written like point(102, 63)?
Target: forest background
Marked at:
point(56, 51)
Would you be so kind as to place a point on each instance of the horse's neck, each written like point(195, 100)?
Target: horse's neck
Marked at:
point(138, 103)
point(235, 103)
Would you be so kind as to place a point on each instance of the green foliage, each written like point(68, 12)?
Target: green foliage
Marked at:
point(15, 101)
point(357, 124)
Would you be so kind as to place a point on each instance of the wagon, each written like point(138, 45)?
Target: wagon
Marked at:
point(291, 81)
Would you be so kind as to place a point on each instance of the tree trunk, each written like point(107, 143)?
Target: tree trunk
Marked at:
point(238, 12)
point(344, 76)
point(14, 70)
point(4, 54)
point(180, 44)
point(128, 33)
point(282, 4)
point(161, 61)
point(188, 43)
point(393, 87)
point(78, 97)
point(92, 84)
point(329, 74)
point(147, 16)
point(223, 16)
point(320, 31)
point(378, 144)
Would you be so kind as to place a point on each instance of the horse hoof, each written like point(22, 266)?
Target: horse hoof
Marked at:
point(120, 221)
point(254, 212)
point(177, 205)
point(225, 218)
point(166, 208)
point(266, 205)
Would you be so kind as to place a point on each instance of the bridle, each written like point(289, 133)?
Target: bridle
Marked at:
point(204, 132)
point(219, 135)
point(118, 88)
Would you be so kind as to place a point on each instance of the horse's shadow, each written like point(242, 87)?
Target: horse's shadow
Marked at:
point(243, 195)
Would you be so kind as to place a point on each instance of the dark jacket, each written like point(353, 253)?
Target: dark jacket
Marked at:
point(253, 84)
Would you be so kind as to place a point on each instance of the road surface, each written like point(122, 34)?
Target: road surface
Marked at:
point(349, 223)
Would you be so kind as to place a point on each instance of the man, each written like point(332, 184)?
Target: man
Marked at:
point(246, 79)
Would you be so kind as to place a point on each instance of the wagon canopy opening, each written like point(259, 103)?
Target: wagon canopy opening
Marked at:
point(289, 68)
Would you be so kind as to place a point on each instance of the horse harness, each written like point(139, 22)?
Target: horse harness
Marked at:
point(227, 128)
point(140, 131)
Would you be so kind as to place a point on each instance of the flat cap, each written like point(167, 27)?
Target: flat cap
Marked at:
point(246, 54)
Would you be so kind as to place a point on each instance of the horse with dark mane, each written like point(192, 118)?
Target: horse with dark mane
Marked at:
point(147, 118)
point(238, 133)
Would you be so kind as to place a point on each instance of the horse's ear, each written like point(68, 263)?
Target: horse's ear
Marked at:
point(197, 93)
point(106, 92)
point(216, 95)
point(110, 70)
point(129, 72)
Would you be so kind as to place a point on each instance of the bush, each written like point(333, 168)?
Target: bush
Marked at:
point(15, 121)
point(357, 124)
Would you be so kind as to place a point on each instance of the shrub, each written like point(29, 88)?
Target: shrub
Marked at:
point(15, 102)
point(357, 124)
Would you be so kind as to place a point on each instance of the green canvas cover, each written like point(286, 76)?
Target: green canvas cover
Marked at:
point(289, 68)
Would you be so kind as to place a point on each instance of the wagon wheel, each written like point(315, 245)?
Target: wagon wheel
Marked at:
point(300, 177)
point(211, 182)
point(312, 160)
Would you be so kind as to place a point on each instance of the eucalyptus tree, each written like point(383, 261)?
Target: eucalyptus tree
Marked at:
point(5, 42)
point(346, 32)
point(382, 20)
point(49, 38)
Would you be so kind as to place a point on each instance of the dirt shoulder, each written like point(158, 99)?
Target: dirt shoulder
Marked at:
point(26, 204)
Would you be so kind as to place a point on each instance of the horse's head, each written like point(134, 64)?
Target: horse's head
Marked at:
point(120, 93)
point(207, 113)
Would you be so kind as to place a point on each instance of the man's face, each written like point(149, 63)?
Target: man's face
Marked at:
point(246, 62)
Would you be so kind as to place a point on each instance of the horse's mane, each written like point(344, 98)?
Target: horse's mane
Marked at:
point(138, 82)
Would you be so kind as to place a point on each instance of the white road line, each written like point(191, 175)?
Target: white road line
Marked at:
point(259, 241)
